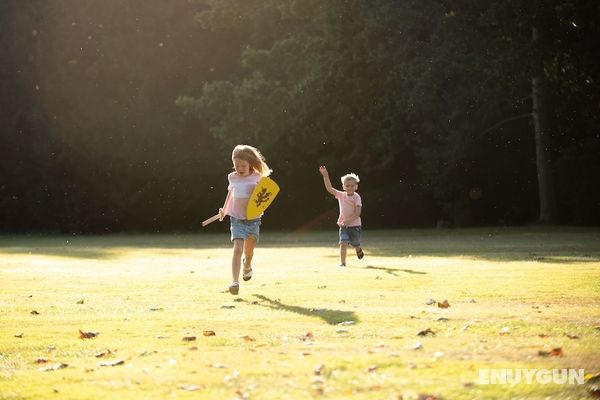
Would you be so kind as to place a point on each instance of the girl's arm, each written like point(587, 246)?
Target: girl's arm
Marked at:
point(326, 180)
point(222, 210)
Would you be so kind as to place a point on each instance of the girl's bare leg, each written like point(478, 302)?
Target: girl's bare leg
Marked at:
point(249, 250)
point(236, 260)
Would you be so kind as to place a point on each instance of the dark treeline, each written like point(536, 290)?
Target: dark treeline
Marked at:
point(121, 115)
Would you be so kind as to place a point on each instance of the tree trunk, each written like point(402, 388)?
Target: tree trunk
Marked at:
point(548, 211)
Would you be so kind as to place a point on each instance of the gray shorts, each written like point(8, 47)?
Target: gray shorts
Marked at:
point(244, 228)
point(350, 234)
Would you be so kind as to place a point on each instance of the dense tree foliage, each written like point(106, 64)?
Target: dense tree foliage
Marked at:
point(121, 116)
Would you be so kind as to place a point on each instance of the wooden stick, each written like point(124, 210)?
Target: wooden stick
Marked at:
point(210, 220)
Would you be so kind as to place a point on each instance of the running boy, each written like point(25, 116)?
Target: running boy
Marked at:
point(350, 208)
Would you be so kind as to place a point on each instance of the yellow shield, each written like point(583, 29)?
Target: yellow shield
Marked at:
point(262, 197)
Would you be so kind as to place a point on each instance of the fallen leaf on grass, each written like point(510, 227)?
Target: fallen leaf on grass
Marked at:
point(248, 338)
point(426, 332)
point(87, 335)
point(307, 336)
point(19, 335)
point(34, 312)
point(81, 301)
point(191, 388)
point(424, 396)
point(209, 333)
point(103, 353)
point(112, 363)
point(571, 336)
point(189, 338)
point(543, 335)
point(219, 366)
point(443, 304)
point(42, 361)
point(442, 319)
point(430, 302)
point(228, 306)
point(556, 352)
point(54, 367)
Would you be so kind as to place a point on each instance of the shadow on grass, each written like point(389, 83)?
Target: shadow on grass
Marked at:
point(394, 271)
point(332, 317)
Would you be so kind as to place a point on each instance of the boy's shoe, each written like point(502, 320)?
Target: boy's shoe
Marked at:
point(247, 272)
point(234, 288)
point(359, 253)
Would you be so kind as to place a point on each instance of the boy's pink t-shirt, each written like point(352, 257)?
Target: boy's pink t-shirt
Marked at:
point(241, 188)
point(348, 206)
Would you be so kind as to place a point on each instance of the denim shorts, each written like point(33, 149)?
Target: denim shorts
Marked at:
point(350, 234)
point(244, 228)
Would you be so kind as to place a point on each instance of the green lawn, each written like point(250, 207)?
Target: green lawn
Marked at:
point(302, 327)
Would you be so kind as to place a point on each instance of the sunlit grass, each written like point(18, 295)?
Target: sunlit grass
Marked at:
point(512, 293)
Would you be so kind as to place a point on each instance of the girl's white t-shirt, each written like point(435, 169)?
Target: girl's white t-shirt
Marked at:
point(241, 188)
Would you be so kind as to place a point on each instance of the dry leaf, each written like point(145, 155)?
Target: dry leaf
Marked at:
point(54, 367)
point(81, 301)
point(191, 388)
point(19, 335)
point(42, 361)
point(570, 336)
point(307, 336)
point(189, 338)
point(443, 304)
point(103, 353)
point(423, 396)
point(248, 338)
point(112, 363)
point(209, 333)
point(87, 335)
point(426, 332)
point(34, 312)
point(556, 352)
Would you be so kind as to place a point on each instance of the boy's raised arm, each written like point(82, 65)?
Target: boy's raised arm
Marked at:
point(326, 180)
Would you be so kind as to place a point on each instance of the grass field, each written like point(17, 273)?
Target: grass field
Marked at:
point(302, 327)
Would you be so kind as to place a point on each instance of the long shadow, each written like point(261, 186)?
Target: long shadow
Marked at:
point(332, 317)
point(394, 271)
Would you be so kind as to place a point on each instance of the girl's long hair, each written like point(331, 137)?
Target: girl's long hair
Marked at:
point(253, 156)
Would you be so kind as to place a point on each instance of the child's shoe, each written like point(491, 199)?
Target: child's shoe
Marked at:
point(359, 253)
point(342, 265)
point(234, 288)
point(247, 272)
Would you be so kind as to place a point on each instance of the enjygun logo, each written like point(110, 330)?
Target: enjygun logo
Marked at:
point(506, 376)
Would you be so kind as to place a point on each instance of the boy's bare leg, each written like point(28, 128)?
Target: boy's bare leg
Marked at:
point(343, 251)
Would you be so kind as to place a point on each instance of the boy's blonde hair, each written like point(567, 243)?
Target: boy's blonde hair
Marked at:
point(253, 156)
point(349, 176)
